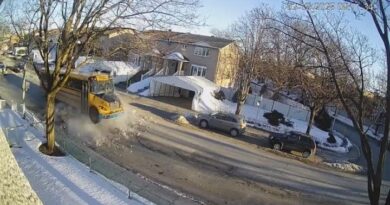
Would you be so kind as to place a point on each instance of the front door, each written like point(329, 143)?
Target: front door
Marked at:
point(172, 67)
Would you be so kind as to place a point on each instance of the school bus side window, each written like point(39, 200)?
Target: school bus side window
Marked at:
point(74, 84)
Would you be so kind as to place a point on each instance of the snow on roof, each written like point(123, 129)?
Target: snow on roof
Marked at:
point(176, 56)
point(119, 67)
point(201, 43)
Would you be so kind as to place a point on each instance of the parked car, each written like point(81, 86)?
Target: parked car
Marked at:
point(293, 141)
point(230, 123)
point(3, 68)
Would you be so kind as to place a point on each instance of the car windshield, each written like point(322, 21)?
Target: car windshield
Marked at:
point(100, 87)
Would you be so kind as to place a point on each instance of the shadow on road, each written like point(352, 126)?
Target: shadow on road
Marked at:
point(156, 111)
point(12, 83)
point(251, 136)
point(293, 176)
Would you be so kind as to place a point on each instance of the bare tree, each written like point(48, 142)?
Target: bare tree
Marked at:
point(250, 35)
point(378, 10)
point(69, 27)
point(346, 56)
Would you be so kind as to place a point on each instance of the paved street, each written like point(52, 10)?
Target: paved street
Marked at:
point(210, 166)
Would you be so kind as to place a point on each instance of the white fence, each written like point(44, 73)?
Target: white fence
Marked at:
point(299, 113)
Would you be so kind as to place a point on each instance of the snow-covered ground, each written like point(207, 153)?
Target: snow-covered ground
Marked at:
point(370, 130)
point(207, 103)
point(119, 70)
point(59, 180)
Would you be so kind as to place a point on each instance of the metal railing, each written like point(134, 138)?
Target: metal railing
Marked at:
point(137, 186)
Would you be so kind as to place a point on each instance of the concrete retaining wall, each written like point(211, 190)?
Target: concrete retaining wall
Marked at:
point(14, 186)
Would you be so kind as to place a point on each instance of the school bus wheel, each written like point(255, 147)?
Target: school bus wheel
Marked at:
point(94, 115)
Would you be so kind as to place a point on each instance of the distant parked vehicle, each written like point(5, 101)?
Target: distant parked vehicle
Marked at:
point(293, 141)
point(230, 123)
point(17, 68)
point(3, 68)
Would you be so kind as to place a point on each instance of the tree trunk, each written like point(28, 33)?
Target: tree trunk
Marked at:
point(239, 106)
point(311, 120)
point(50, 111)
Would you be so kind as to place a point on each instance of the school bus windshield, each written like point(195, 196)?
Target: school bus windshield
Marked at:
point(100, 87)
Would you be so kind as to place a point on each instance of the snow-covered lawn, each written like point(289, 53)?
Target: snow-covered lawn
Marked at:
point(58, 180)
point(207, 104)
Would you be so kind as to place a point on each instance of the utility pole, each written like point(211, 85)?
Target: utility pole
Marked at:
point(25, 87)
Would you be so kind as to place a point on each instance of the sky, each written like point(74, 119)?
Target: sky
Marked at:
point(222, 13)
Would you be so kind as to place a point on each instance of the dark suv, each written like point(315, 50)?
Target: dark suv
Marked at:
point(293, 141)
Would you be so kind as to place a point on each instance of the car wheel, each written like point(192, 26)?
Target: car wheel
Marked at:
point(94, 115)
point(306, 154)
point(277, 146)
point(203, 124)
point(234, 132)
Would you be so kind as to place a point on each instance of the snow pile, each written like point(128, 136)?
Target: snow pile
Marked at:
point(119, 70)
point(84, 60)
point(348, 167)
point(342, 145)
point(370, 131)
point(140, 87)
point(58, 180)
point(180, 119)
point(37, 57)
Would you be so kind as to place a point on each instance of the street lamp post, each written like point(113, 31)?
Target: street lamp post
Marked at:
point(258, 107)
point(25, 87)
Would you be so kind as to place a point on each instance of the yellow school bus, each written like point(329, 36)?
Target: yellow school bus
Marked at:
point(91, 93)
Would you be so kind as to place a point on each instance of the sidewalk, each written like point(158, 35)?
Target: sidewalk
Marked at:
point(59, 180)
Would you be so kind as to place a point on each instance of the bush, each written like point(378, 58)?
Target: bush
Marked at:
point(331, 139)
point(323, 120)
point(274, 118)
point(219, 95)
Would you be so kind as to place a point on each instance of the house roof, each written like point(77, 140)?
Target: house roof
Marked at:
point(189, 38)
point(194, 83)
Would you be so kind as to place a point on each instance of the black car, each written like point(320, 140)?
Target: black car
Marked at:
point(293, 141)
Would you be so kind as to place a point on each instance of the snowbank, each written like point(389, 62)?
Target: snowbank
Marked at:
point(119, 70)
point(58, 180)
point(140, 86)
point(370, 131)
point(254, 115)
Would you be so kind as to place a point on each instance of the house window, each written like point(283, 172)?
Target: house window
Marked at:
point(198, 70)
point(201, 51)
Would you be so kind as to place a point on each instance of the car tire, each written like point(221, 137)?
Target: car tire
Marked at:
point(234, 132)
point(94, 115)
point(277, 146)
point(306, 154)
point(203, 124)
